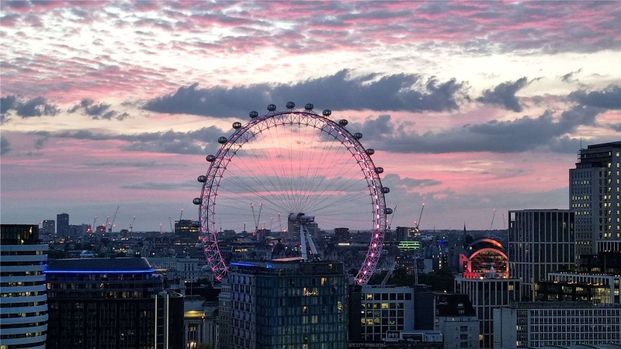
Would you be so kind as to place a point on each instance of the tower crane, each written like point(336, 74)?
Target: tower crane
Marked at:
point(492, 223)
point(106, 224)
point(180, 214)
point(420, 216)
point(94, 227)
point(131, 224)
point(257, 217)
point(114, 219)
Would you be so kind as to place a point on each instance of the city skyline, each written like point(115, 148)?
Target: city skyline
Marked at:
point(107, 104)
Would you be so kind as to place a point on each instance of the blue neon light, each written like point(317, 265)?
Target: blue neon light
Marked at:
point(243, 264)
point(142, 271)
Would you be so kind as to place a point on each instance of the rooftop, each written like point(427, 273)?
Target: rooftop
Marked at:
point(99, 265)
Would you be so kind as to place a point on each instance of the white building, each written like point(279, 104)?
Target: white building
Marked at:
point(540, 242)
point(23, 295)
point(548, 324)
point(183, 268)
point(487, 294)
point(594, 194)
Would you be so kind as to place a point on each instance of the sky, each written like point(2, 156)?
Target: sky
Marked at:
point(471, 106)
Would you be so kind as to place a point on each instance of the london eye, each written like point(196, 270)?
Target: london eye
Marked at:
point(292, 163)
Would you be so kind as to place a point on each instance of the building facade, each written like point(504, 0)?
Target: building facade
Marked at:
point(594, 288)
point(540, 242)
point(62, 224)
point(375, 311)
point(111, 303)
point(487, 294)
point(48, 227)
point(594, 194)
point(457, 320)
point(286, 304)
point(555, 324)
point(23, 298)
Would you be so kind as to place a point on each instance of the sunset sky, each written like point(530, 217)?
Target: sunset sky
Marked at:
point(471, 106)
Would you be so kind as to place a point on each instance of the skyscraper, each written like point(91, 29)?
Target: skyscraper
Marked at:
point(594, 194)
point(62, 224)
point(23, 298)
point(540, 241)
point(287, 303)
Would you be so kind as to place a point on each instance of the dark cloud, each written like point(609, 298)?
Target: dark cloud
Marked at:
point(26, 108)
point(523, 134)
point(608, 98)
point(97, 111)
point(408, 92)
point(5, 146)
point(201, 141)
point(569, 77)
point(504, 94)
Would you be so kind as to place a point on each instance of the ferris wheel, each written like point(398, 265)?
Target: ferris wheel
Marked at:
point(292, 162)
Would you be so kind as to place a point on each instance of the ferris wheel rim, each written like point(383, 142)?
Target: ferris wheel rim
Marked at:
point(242, 135)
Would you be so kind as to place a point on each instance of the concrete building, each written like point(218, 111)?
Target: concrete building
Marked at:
point(556, 324)
point(200, 322)
point(62, 224)
point(23, 299)
point(540, 242)
point(375, 311)
point(285, 303)
point(487, 294)
point(111, 303)
point(457, 320)
point(594, 194)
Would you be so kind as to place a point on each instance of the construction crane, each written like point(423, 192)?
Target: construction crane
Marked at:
point(492, 223)
point(256, 217)
point(106, 224)
point(113, 219)
point(180, 214)
point(94, 227)
point(392, 217)
point(420, 216)
point(131, 224)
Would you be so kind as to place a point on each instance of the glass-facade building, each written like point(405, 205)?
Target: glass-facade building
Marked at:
point(285, 304)
point(111, 303)
point(23, 297)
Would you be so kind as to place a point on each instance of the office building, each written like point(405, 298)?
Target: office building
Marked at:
point(540, 242)
point(23, 299)
point(594, 194)
point(111, 303)
point(376, 311)
point(556, 324)
point(284, 303)
point(487, 294)
point(48, 227)
point(593, 288)
point(62, 224)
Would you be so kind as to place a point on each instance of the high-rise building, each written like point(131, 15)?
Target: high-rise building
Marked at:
point(111, 303)
point(376, 311)
point(48, 227)
point(540, 242)
point(594, 194)
point(284, 303)
point(62, 224)
point(557, 325)
point(23, 299)
point(487, 294)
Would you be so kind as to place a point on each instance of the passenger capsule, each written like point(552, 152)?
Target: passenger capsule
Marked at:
point(379, 170)
point(271, 107)
point(253, 114)
point(309, 106)
point(343, 122)
point(385, 190)
point(222, 140)
point(237, 125)
point(370, 151)
point(197, 201)
point(202, 179)
point(290, 105)
point(327, 112)
point(210, 158)
point(357, 135)
point(388, 210)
